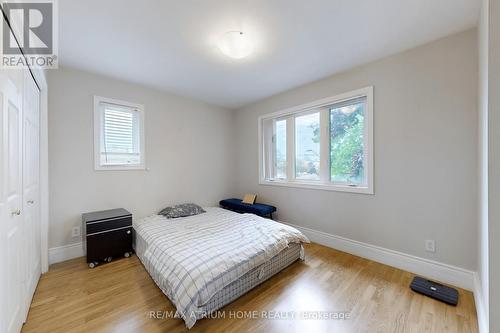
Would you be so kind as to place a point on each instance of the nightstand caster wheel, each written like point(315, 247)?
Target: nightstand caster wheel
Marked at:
point(126, 254)
point(108, 259)
point(92, 264)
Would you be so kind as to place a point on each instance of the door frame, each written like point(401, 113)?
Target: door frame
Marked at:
point(41, 79)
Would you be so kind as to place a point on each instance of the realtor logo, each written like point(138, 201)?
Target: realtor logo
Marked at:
point(29, 36)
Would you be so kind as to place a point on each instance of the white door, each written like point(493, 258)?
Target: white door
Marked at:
point(31, 194)
point(12, 245)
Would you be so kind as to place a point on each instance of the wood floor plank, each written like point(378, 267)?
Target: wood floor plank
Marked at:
point(120, 296)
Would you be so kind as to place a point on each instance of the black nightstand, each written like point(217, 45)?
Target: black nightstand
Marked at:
point(107, 234)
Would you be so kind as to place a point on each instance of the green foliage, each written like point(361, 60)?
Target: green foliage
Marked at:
point(347, 146)
point(346, 139)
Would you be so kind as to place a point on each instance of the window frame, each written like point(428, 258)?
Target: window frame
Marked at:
point(98, 127)
point(325, 182)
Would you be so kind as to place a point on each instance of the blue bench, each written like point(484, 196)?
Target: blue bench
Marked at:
point(240, 207)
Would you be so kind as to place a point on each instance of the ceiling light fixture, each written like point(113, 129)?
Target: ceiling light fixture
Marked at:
point(235, 44)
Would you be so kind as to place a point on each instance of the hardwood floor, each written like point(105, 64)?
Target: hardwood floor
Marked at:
point(120, 296)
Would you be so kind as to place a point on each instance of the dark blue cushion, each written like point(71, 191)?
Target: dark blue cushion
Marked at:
point(256, 208)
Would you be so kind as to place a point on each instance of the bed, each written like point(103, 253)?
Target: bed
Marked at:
point(206, 261)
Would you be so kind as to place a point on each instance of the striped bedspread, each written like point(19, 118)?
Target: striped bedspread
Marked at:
point(197, 256)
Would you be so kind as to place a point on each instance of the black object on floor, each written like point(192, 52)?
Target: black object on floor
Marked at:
point(106, 235)
point(435, 290)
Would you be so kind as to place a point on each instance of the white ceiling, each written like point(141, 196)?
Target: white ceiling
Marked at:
point(171, 45)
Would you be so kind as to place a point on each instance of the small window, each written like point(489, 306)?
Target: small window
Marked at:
point(118, 135)
point(327, 144)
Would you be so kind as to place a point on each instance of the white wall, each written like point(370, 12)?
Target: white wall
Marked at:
point(494, 164)
point(482, 289)
point(188, 151)
point(426, 137)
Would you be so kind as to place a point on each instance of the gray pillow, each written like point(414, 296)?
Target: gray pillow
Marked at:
point(182, 210)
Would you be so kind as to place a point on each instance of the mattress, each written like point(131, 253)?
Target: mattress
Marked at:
point(205, 261)
point(241, 286)
point(253, 278)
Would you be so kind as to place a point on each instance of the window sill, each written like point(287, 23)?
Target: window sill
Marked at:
point(318, 186)
point(119, 167)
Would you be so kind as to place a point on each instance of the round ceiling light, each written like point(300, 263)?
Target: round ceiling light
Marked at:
point(235, 44)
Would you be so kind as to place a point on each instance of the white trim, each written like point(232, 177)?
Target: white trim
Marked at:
point(41, 80)
point(97, 135)
point(324, 147)
point(65, 252)
point(369, 139)
point(321, 102)
point(316, 107)
point(482, 313)
point(119, 167)
point(316, 185)
point(431, 269)
point(290, 149)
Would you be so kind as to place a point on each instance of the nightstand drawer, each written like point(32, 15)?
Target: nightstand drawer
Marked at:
point(112, 243)
point(108, 224)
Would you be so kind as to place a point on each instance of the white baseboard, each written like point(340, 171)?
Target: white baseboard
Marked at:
point(431, 269)
point(65, 252)
point(482, 313)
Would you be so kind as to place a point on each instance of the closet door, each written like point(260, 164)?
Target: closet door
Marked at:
point(31, 188)
point(12, 239)
point(3, 205)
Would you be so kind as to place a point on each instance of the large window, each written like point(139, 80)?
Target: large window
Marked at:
point(118, 134)
point(326, 144)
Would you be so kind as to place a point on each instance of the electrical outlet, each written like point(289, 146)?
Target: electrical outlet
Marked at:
point(430, 245)
point(75, 232)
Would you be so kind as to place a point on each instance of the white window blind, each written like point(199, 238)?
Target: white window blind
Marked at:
point(120, 135)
